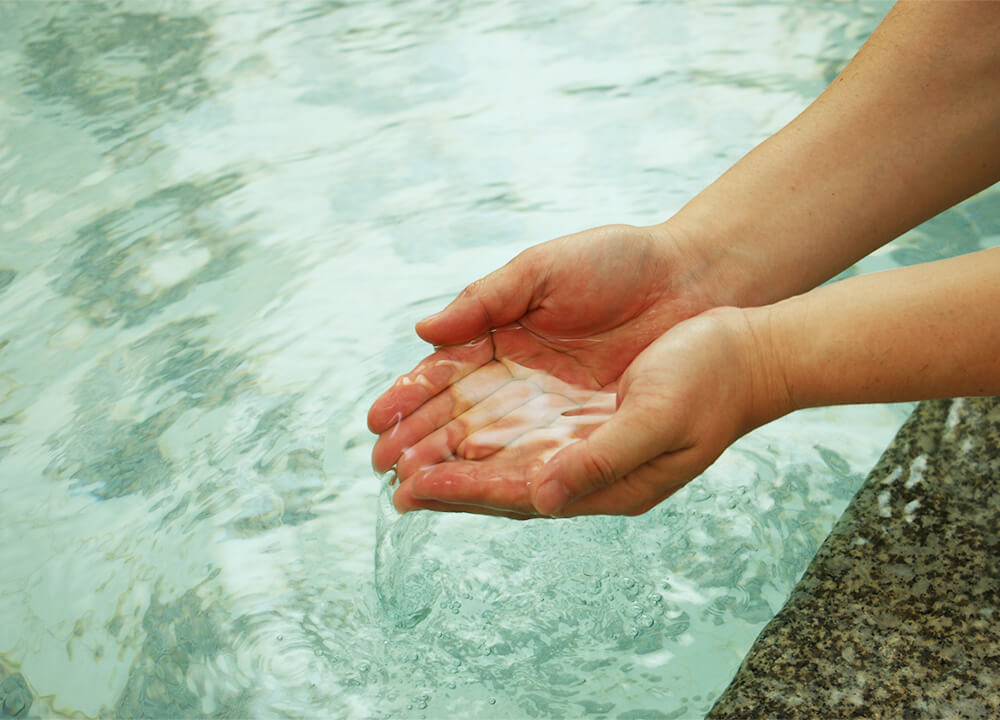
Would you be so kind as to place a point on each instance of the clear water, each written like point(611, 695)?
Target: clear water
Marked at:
point(218, 223)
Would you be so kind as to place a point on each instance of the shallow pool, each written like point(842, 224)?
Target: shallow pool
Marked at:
point(219, 221)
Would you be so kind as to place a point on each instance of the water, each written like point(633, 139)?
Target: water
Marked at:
point(218, 223)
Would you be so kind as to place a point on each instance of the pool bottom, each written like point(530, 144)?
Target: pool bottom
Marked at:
point(16, 698)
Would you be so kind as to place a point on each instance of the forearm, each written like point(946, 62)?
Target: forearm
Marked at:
point(915, 333)
point(908, 129)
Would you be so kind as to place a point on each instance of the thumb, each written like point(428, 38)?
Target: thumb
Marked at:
point(498, 299)
point(613, 450)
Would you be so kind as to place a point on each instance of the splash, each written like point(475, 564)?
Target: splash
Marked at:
point(405, 598)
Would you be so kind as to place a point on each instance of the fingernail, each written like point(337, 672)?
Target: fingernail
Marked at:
point(551, 497)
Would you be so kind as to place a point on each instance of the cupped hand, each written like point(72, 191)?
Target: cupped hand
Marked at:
point(682, 401)
point(577, 309)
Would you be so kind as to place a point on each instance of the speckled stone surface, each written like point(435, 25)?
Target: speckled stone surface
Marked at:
point(898, 616)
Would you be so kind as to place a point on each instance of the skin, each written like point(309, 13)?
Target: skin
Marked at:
point(705, 327)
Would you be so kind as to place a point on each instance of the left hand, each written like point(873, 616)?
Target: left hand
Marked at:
point(680, 403)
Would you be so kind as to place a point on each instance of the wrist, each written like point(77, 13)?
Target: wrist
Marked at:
point(702, 268)
point(768, 395)
point(730, 261)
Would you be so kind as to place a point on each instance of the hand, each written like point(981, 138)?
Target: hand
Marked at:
point(578, 308)
point(682, 401)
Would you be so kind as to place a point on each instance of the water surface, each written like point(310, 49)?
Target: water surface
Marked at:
point(218, 223)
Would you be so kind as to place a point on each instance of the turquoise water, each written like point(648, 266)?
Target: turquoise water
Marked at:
point(218, 223)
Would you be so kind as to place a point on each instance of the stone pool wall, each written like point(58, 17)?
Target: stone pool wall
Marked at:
point(898, 616)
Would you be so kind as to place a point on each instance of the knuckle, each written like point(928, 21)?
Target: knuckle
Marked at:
point(599, 470)
point(472, 289)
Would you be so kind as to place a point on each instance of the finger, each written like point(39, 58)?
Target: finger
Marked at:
point(539, 428)
point(614, 449)
point(501, 297)
point(540, 412)
point(404, 502)
point(438, 411)
point(433, 374)
point(499, 486)
point(443, 442)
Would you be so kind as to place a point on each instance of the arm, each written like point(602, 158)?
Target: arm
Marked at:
point(910, 127)
point(916, 333)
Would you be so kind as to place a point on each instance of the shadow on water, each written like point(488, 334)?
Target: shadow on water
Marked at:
point(121, 72)
point(134, 262)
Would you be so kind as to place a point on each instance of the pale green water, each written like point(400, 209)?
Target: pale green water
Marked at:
point(218, 222)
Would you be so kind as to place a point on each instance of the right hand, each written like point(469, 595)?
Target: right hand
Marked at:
point(578, 308)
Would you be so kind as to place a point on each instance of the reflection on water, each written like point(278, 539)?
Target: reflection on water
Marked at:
point(218, 223)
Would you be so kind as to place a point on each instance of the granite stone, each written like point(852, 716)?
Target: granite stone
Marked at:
point(898, 615)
